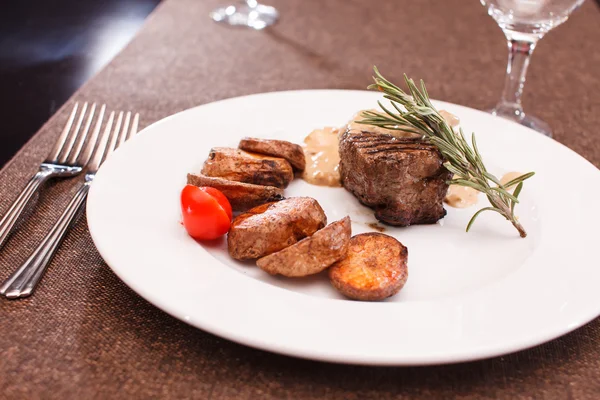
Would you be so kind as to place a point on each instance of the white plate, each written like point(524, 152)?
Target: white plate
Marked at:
point(468, 295)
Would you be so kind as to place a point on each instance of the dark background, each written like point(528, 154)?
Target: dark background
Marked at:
point(48, 49)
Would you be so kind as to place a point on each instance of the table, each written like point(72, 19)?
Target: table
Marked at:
point(84, 334)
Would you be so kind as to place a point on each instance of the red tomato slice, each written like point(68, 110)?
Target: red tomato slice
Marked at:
point(221, 199)
point(206, 212)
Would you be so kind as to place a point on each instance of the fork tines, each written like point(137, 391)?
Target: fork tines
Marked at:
point(113, 137)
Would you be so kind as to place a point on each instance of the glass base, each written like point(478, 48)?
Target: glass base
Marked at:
point(526, 120)
point(258, 17)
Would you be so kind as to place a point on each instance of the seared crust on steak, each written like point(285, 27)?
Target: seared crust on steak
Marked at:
point(374, 268)
point(277, 148)
point(241, 166)
point(241, 196)
point(403, 179)
point(311, 255)
point(274, 226)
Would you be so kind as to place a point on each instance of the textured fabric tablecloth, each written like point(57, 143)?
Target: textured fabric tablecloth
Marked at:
point(84, 334)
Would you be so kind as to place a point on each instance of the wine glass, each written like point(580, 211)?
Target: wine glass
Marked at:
point(248, 13)
point(524, 22)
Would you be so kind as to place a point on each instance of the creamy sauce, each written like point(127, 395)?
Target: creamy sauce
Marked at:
point(461, 196)
point(321, 149)
point(509, 176)
point(353, 125)
point(451, 119)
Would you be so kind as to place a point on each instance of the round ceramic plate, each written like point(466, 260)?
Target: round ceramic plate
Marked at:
point(468, 296)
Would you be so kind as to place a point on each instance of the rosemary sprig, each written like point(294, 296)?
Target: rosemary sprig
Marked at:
point(419, 116)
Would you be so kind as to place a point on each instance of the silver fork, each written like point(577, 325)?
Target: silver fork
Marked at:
point(22, 282)
point(63, 161)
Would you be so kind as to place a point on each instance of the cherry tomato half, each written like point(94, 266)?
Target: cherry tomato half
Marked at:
point(206, 212)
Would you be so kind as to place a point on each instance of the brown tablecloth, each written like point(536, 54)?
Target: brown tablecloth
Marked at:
point(84, 334)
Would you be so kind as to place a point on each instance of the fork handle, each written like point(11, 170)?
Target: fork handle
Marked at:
point(22, 283)
point(16, 209)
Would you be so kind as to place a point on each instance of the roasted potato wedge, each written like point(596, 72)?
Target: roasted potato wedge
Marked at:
point(271, 227)
point(374, 268)
point(241, 196)
point(311, 255)
point(293, 153)
point(241, 166)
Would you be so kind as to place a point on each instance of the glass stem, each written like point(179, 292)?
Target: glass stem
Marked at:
point(519, 53)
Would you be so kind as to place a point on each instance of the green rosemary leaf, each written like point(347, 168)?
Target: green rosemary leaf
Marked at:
point(504, 192)
point(492, 178)
point(394, 117)
point(477, 154)
point(477, 214)
point(397, 108)
point(518, 179)
point(463, 182)
point(516, 194)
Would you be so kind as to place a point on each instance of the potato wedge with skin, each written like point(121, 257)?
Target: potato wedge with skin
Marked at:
point(241, 196)
point(374, 268)
point(272, 227)
point(241, 166)
point(292, 152)
point(311, 255)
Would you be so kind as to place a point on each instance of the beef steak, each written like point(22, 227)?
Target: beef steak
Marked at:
point(402, 179)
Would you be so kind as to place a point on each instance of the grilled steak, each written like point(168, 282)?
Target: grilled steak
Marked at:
point(402, 179)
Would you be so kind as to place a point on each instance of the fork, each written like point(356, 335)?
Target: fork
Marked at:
point(64, 160)
point(23, 282)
